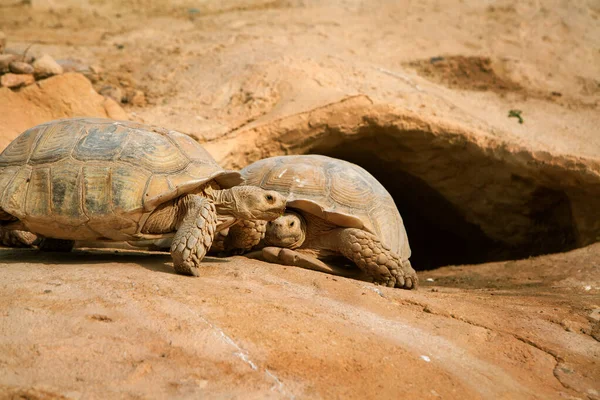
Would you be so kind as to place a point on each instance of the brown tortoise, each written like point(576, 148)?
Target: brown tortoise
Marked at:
point(334, 208)
point(99, 179)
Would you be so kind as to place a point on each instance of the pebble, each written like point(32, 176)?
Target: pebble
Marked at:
point(136, 98)
point(19, 67)
point(112, 92)
point(2, 42)
point(89, 71)
point(45, 66)
point(14, 81)
point(5, 60)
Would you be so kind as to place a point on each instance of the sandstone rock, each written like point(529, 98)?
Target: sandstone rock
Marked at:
point(114, 110)
point(5, 60)
point(2, 42)
point(14, 81)
point(19, 67)
point(45, 66)
point(113, 92)
point(60, 96)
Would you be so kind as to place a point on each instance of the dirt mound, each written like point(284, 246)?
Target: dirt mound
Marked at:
point(467, 73)
point(62, 96)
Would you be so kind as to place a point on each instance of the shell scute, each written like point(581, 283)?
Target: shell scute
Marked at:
point(128, 186)
point(19, 150)
point(13, 198)
point(38, 202)
point(66, 191)
point(97, 199)
point(56, 143)
point(156, 153)
point(101, 143)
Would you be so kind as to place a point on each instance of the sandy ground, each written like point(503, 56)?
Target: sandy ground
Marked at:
point(243, 77)
point(73, 322)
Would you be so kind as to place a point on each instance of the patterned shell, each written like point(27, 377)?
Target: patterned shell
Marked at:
point(335, 190)
point(88, 178)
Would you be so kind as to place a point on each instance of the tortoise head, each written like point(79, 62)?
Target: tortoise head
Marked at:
point(287, 231)
point(251, 202)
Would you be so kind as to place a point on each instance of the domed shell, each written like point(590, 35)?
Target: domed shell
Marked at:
point(89, 178)
point(335, 190)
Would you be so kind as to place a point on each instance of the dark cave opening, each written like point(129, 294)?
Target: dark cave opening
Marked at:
point(440, 235)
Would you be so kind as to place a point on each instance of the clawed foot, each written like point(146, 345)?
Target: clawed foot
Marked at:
point(195, 235)
point(385, 267)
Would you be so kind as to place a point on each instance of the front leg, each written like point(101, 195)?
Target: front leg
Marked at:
point(194, 235)
point(370, 255)
point(244, 236)
point(239, 238)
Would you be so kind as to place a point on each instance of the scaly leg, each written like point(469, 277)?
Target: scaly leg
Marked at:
point(194, 235)
point(370, 255)
point(245, 235)
point(239, 238)
point(10, 238)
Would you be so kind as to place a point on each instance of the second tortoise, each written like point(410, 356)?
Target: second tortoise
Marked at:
point(334, 208)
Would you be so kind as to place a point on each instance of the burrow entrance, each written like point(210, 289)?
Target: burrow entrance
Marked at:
point(465, 197)
point(460, 204)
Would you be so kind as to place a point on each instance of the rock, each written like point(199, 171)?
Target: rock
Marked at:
point(20, 54)
point(71, 66)
point(19, 67)
point(2, 42)
point(89, 71)
point(114, 110)
point(45, 66)
point(5, 60)
point(135, 98)
point(14, 81)
point(113, 92)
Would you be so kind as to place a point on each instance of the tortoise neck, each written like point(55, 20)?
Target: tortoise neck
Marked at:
point(320, 234)
point(223, 199)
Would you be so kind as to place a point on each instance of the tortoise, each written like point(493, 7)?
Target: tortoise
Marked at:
point(100, 179)
point(334, 208)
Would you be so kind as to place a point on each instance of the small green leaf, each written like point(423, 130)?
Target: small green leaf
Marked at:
point(515, 114)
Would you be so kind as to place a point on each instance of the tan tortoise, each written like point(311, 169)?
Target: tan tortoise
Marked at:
point(334, 208)
point(99, 179)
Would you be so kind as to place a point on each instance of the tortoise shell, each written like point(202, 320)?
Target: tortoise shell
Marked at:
point(335, 190)
point(91, 178)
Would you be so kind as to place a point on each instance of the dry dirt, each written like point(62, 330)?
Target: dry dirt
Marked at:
point(425, 95)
